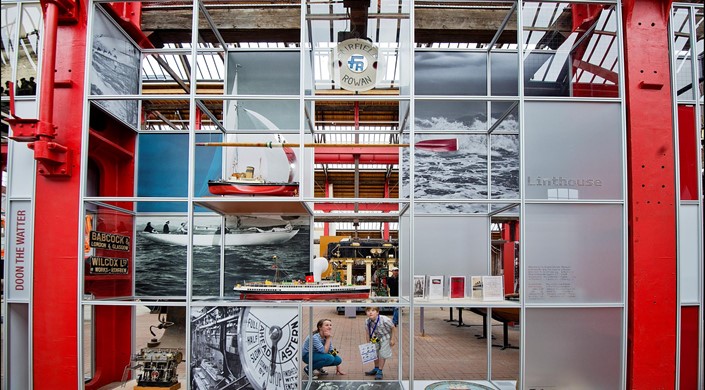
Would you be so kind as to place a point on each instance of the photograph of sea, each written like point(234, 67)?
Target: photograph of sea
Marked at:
point(463, 174)
point(115, 69)
point(161, 267)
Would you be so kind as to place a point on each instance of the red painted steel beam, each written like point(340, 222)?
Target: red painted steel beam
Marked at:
point(57, 214)
point(510, 234)
point(652, 202)
point(332, 207)
point(372, 155)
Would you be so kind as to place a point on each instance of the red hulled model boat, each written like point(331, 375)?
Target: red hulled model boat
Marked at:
point(248, 184)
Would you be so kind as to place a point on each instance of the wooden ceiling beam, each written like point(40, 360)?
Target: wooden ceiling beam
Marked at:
point(282, 24)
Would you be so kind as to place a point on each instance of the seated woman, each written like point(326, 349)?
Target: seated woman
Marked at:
point(323, 352)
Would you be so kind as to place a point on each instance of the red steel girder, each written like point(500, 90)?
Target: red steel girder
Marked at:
point(380, 155)
point(652, 203)
point(332, 207)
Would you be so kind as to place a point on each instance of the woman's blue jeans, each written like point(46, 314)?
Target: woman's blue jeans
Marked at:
point(322, 360)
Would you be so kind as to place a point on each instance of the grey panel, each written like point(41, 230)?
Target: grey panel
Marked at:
point(573, 348)
point(690, 235)
point(574, 253)
point(573, 150)
point(451, 245)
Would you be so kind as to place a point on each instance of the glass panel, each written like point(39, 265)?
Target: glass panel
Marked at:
point(451, 175)
point(263, 73)
point(272, 116)
point(17, 323)
point(380, 27)
point(450, 73)
point(160, 254)
point(688, 150)
point(162, 165)
point(486, 25)
point(115, 68)
point(247, 166)
point(451, 338)
point(234, 346)
point(574, 253)
point(28, 47)
point(21, 174)
point(506, 333)
point(108, 251)
point(209, 164)
point(347, 334)
point(682, 53)
point(210, 70)
point(167, 72)
point(173, 114)
point(699, 52)
point(690, 233)
point(504, 166)
point(450, 115)
point(206, 264)
point(582, 160)
point(9, 45)
point(88, 351)
point(265, 248)
point(561, 360)
point(505, 74)
point(166, 336)
point(172, 31)
point(564, 57)
point(462, 245)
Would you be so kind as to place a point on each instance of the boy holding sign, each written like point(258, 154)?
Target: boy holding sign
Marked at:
point(380, 331)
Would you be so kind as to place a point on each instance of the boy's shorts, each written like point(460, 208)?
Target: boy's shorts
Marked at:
point(384, 350)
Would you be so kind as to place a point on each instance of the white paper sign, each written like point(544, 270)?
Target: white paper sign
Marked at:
point(492, 289)
point(19, 236)
point(368, 352)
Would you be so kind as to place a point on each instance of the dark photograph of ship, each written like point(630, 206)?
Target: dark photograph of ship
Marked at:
point(244, 348)
point(115, 69)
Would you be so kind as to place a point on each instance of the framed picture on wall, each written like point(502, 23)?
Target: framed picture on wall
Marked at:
point(419, 286)
point(435, 287)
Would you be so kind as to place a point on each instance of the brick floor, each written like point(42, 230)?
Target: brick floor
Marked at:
point(443, 352)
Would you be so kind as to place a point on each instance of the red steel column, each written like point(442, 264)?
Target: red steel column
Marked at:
point(57, 221)
point(510, 232)
point(652, 305)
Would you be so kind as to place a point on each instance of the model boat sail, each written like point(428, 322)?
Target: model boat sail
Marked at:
point(313, 288)
point(275, 175)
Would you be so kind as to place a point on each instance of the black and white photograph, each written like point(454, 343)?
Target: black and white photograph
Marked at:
point(115, 69)
point(256, 250)
point(419, 286)
point(249, 348)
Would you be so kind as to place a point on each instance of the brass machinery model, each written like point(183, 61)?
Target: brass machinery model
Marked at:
point(158, 366)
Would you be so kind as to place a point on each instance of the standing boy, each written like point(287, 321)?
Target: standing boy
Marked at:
point(381, 332)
